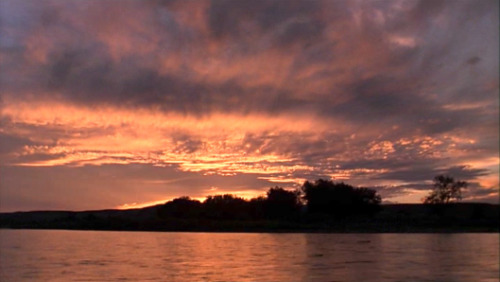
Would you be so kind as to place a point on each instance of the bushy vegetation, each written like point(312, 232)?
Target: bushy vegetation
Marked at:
point(339, 199)
point(320, 197)
point(319, 206)
point(445, 190)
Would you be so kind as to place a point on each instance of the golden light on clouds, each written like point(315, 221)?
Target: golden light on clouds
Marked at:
point(215, 144)
point(242, 97)
point(104, 135)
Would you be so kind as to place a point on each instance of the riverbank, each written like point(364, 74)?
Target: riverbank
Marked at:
point(399, 218)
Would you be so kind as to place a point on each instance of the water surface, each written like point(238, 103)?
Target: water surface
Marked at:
point(50, 255)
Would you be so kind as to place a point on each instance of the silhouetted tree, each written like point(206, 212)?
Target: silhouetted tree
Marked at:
point(445, 190)
point(226, 207)
point(182, 207)
point(257, 207)
point(324, 196)
point(281, 203)
point(367, 200)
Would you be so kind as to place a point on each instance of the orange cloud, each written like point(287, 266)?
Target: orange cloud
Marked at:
point(209, 144)
point(106, 135)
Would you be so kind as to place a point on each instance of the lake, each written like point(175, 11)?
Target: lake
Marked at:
point(54, 255)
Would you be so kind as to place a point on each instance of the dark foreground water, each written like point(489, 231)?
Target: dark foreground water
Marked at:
point(49, 255)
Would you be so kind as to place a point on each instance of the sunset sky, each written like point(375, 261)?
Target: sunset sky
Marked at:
point(115, 104)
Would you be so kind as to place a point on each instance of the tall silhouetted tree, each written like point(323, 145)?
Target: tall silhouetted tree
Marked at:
point(324, 196)
point(445, 190)
point(281, 203)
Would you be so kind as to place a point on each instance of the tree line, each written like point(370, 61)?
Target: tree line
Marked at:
point(321, 205)
point(321, 197)
point(318, 198)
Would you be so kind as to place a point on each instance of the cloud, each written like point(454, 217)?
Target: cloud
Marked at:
point(380, 93)
point(261, 26)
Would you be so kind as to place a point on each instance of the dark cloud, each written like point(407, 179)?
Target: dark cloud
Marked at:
point(12, 143)
point(423, 10)
point(290, 20)
point(473, 60)
point(423, 173)
point(81, 66)
point(186, 144)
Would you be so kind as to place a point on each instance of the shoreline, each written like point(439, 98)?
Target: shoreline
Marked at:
point(402, 218)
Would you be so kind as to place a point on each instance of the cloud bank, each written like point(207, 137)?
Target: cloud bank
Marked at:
point(237, 96)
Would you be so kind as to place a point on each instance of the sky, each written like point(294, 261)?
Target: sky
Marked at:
point(120, 104)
